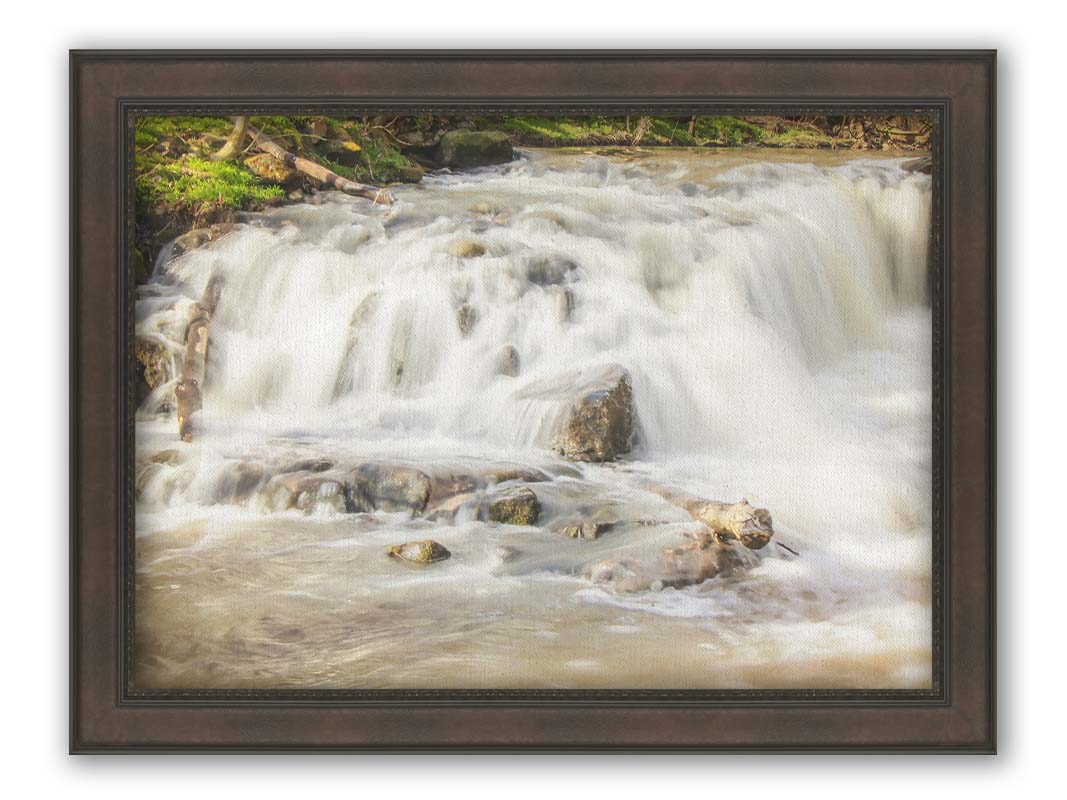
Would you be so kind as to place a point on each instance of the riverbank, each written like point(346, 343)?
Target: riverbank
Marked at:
point(181, 187)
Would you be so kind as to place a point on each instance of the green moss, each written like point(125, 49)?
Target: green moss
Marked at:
point(568, 130)
point(192, 181)
point(798, 137)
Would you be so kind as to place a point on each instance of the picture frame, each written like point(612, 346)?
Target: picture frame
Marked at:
point(955, 88)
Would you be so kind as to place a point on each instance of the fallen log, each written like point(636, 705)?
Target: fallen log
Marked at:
point(189, 391)
point(729, 522)
point(319, 172)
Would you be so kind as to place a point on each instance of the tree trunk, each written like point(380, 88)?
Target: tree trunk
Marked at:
point(189, 392)
point(319, 172)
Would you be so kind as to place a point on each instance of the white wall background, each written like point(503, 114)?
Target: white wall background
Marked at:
point(33, 422)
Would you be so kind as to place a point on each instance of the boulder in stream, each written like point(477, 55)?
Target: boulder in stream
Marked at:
point(467, 149)
point(518, 506)
point(600, 424)
point(381, 487)
point(425, 552)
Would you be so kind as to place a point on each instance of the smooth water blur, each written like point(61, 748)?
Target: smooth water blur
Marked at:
point(771, 310)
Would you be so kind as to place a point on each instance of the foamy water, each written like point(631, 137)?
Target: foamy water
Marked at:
point(771, 311)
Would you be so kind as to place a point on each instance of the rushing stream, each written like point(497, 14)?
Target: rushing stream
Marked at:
point(771, 310)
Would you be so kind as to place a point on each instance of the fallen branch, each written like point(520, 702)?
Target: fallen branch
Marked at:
point(727, 521)
point(235, 142)
point(189, 392)
point(319, 172)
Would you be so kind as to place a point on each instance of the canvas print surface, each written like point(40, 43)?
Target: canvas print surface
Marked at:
point(533, 403)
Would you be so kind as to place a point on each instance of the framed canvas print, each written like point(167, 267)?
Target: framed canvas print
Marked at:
point(532, 400)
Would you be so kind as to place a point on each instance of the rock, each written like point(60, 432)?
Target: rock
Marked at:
point(600, 424)
point(425, 552)
point(508, 361)
point(550, 270)
point(515, 507)
point(566, 305)
point(687, 565)
point(155, 363)
point(309, 465)
point(169, 457)
point(198, 237)
point(466, 248)
point(305, 492)
point(923, 164)
point(140, 270)
point(376, 487)
point(466, 149)
point(466, 317)
point(270, 169)
point(586, 529)
point(524, 474)
point(412, 174)
point(318, 127)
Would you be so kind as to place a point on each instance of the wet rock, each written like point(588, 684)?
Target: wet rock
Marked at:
point(412, 174)
point(677, 567)
point(425, 552)
point(587, 529)
point(465, 149)
point(516, 473)
point(466, 317)
point(446, 510)
point(198, 237)
point(923, 164)
point(600, 424)
point(140, 269)
point(377, 487)
point(169, 457)
point(309, 465)
point(345, 377)
point(566, 305)
point(508, 361)
point(155, 364)
point(307, 493)
point(466, 248)
point(550, 270)
point(518, 506)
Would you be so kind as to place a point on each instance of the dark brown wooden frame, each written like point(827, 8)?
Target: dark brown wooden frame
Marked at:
point(956, 88)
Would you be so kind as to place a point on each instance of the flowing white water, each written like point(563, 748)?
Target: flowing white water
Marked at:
point(771, 311)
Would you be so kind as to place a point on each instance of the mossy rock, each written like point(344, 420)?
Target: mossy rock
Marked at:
point(466, 317)
point(467, 149)
point(516, 507)
point(425, 552)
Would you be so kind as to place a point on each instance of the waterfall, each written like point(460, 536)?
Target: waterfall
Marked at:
point(771, 312)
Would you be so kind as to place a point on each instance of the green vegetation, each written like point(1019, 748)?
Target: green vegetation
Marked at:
point(173, 166)
point(717, 131)
point(194, 181)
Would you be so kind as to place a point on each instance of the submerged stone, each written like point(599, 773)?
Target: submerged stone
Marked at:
point(378, 487)
point(466, 317)
point(466, 248)
point(425, 552)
